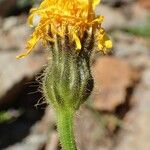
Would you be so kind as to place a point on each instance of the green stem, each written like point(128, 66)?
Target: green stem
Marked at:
point(65, 129)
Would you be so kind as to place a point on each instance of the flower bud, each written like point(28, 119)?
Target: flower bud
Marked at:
point(68, 81)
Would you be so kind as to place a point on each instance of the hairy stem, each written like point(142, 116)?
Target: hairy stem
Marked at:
point(65, 129)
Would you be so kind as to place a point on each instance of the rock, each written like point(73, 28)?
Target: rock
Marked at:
point(14, 34)
point(110, 15)
point(129, 15)
point(9, 23)
point(113, 77)
point(126, 45)
point(16, 37)
point(17, 32)
point(90, 131)
point(145, 3)
point(137, 14)
point(52, 143)
point(39, 134)
point(15, 73)
point(140, 62)
point(146, 78)
point(136, 132)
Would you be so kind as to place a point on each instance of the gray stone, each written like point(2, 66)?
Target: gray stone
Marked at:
point(146, 78)
point(16, 38)
point(136, 133)
point(9, 23)
point(126, 45)
point(14, 73)
point(113, 18)
point(39, 134)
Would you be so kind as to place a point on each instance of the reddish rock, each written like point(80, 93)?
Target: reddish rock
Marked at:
point(113, 77)
point(145, 3)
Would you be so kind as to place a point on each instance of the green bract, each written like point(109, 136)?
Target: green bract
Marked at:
point(68, 81)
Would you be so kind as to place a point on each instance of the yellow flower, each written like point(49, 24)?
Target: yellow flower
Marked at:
point(53, 16)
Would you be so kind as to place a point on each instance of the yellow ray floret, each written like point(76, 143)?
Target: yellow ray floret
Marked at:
point(52, 16)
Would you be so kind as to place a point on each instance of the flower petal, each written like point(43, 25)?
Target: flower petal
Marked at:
point(77, 40)
point(30, 45)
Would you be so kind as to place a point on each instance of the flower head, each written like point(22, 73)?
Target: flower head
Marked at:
point(53, 16)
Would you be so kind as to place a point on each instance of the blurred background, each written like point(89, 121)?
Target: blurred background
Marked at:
point(116, 116)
